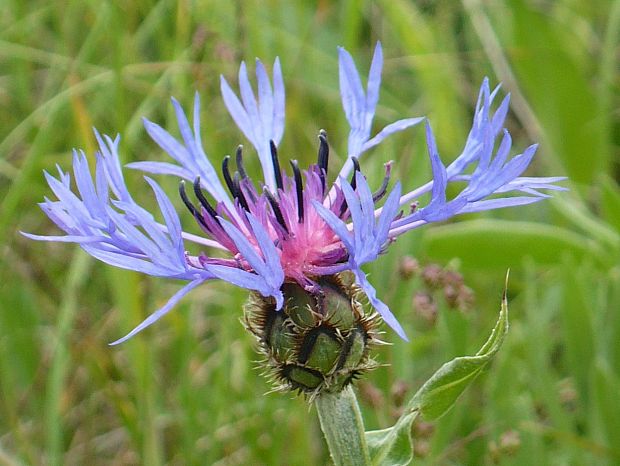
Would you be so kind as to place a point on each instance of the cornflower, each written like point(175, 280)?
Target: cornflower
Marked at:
point(288, 230)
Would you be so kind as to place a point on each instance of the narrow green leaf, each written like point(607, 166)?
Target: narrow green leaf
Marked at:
point(441, 391)
point(393, 446)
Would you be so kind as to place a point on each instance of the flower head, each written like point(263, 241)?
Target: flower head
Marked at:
point(288, 228)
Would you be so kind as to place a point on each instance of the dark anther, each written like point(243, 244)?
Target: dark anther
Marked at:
point(323, 157)
point(276, 164)
point(343, 208)
point(186, 201)
point(239, 159)
point(299, 188)
point(202, 199)
point(239, 193)
point(197, 215)
point(379, 193)
point(243, 174)
point(227, 177)
point(356, 166)
point(234, 186)
point(276, 209)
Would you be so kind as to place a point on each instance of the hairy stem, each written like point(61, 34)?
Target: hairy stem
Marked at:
point(343, 427)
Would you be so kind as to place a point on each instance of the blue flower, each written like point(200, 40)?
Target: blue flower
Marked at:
point(292, 228)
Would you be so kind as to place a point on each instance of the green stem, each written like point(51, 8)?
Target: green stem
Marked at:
point(343, 427)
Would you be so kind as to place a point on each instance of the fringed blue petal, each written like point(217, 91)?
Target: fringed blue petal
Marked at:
point(190, 155)
point(267, 268)
point(360, 106)
point(380, 306)
point(117, 230)
point(494, 173)
point(247, 280)
point(260, 119)
point(368, 237)
point(337, 225)
point(155, 316)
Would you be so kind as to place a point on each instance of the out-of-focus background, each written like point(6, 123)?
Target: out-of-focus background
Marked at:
point(186, 391)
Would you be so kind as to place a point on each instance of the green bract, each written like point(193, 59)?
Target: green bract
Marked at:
point(319, 341)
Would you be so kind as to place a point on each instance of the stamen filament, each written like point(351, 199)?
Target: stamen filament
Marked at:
point(227, 177)
point(239, 193)
point(323, 157)
point(276, 209)
point(299, 188)
point(197, 215)
point(356, 168)
point(379, 193)
point(202, 199)
point(276, 164)
point(239, 160)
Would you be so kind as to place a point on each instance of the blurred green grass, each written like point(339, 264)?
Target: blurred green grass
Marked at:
point(186, 391)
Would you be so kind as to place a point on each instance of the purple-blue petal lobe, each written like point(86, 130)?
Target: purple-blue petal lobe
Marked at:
point(389, 130)
point(337, 225)
point(162, 168)
point(247, 280)
point(380, 306)
point(282, 228)
point(155, 316)
point(190, 155)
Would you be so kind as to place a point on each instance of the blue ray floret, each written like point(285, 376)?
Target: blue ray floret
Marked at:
point(261, 120)
point(117, 230)
point(285, 228)
point(359, 106)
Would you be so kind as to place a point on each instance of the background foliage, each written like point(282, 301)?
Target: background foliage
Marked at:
point(186, 391)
